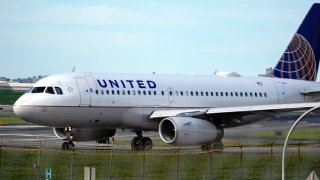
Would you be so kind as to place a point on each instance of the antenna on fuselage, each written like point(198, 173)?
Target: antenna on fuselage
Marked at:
point(74, 68)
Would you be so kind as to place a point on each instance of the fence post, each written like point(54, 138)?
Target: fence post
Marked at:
point(210, 172)
point(177, 168)
point(299, 153)
point(143, 164)
point(39, 160)
point(71, 173)
point(241, 161)
point(271, 157)
point(110, 165)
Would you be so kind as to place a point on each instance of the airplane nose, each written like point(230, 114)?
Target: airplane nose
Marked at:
point(23, 108)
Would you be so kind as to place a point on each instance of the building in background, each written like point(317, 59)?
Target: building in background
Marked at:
point(19, 84)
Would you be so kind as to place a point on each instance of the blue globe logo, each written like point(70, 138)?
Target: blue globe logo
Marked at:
point(298, 61)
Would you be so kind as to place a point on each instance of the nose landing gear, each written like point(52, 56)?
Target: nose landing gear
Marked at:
point(69, 137)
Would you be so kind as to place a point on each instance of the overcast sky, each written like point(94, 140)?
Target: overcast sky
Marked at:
point(167, 36)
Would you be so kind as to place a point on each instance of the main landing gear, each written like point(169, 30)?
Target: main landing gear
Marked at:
point(69, 144)
point(140, 143)
point(215, 146)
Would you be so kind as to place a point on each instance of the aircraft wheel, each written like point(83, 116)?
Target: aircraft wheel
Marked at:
point(67, 146)
point(205, 147)
point(147, 143)
point(136, 144)
point(217, 147)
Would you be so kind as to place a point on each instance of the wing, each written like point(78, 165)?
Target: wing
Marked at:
point(234, 112)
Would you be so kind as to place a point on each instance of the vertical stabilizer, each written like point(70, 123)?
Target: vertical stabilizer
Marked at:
point(301, 58)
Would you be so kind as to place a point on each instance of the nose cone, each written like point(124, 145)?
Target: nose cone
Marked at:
point(23, 108)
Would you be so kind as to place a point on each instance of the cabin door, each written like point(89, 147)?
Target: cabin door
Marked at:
point(85, 95)
point(281, 92)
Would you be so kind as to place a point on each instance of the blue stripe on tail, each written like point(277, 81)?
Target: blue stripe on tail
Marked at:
point(301, 58)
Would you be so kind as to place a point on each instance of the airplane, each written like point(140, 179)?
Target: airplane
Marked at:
point(184, 109)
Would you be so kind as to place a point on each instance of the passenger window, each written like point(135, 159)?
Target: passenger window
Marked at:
point(155, 93)
point(260, 94)
point(251, 94)
point(162, 93)
point(149, 93)
point(129, 92)
point(181, 93)
point(58, 90)
point(170, 93)
point(197, 93)
point(217, 94)
point(49, 90)
point(265, 94)
point(191, 93)
point(211, 93)
point(102, 92)
point(134, 92)
point(187, 94)
point(241, 94)
point(177, 93)
point(255, 94)
point(144, 93)
point(231, 94)
point(118, 92)
point(207, 94)
point(221, 93)
point(226, 93)
point(201, 93)
point(236, 93)
point(107, 92)
point(139, 92)
point(91, 90)
point(123, 92)
point(97, 92)
point(246, 94)
point(38, 89)
point(112, 92)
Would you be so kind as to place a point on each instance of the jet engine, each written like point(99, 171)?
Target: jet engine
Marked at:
point(189, 131)
point(85, 134)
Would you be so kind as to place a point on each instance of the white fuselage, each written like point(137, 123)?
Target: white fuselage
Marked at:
point(127, 100)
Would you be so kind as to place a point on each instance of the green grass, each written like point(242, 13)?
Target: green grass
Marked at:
point(23, 164)
point(11, 120)
point(298, 133)
point(9, 97)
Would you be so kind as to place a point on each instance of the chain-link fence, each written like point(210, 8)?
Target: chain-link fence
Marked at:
point(259, 160)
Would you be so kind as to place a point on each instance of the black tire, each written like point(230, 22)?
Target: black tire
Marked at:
point(71, 146)
point(217, 147)
point(147, 143)
point(136, 143)
point(65, 146)
point(206, 147)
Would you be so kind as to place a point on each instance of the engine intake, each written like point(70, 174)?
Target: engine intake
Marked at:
point(189, 131)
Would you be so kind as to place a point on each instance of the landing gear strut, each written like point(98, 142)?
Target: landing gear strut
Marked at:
point(141, 143)
point(69, 144)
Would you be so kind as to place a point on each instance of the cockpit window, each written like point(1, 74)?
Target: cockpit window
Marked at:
point(49, 90)
point(30, 90)
point(58, 90)
point(38, 89)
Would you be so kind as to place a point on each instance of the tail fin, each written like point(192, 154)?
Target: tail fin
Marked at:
point(301, 58)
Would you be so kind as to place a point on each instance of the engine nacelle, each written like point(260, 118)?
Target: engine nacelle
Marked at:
point(189, 131)
point(85, 134)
